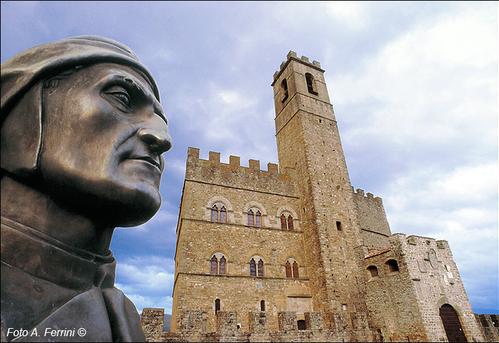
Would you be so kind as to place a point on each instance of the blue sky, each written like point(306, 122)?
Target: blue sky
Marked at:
point(414, 87)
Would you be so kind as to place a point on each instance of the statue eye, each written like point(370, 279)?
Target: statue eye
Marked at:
point(123, 97)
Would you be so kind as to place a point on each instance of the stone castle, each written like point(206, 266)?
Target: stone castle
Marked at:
point(294, 253)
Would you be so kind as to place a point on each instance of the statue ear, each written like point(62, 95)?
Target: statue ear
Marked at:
point(21, 134)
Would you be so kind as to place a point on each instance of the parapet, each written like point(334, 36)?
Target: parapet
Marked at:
point(360, 194)
point(426, 241)
point(317, 327)
point(233, 174)
point(489, 325)
point(292, 56)
point(234, 161)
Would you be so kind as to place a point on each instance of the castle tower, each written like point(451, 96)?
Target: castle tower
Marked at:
point(309, 148)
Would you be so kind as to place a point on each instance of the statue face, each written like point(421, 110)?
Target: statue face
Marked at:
point(103, 135)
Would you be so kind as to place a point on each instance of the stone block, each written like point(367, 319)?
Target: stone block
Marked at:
point(257, 322)
point(314, 321)
point(193, 322)
point(226, 323)
point(152, 320)
point(214, 156)
point(287, 321)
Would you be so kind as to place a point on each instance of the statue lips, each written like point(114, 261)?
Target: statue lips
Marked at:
point(149, 160)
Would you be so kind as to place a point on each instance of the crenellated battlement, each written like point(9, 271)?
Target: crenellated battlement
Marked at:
point(316, 327)
point(292, 56)
point(235, 175)
point(360, 193)
point(234, 161)
point(423, 241)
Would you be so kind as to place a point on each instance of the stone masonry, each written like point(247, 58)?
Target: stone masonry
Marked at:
point(294, 253)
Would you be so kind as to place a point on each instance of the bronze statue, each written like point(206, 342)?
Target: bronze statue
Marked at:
point(82, 133)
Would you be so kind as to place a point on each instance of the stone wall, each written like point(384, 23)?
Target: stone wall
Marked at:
point(238, 189)
point(319, 327)
point(372, 220)
point(489, 325)
point(392, 304)
point(405, 304)
point(436, 281)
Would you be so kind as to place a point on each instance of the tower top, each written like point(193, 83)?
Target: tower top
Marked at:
point(291, 56)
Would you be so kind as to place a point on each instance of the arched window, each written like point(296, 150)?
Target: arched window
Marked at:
point(262, 305)
point(214, 265)
point(289, 273)
point(251, 218)
point(283, 222)
point(218, 265)
point(223, 215)
point(284, 86)
point(295, 270)
point(373, 270)
point(214, 214)
point(221, 269)
point(290, 223)
point(260, 268)
point(252, 267)
point(292, 270)
point(217, 305)
point(254, 217)
point(392, 266)
point(256, 266)
point(258, 219)
point(310, 83)
point(218, 213)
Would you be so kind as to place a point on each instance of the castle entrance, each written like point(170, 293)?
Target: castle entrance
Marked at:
point(452, 325)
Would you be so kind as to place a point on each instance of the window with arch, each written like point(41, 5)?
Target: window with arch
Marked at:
point(254, 218)
point(260, 268)
point(289, 272)
point(292, 269)
point(296, 274)
point(221, 265)
point(218, 214)
point(392, 266)
point(257, 267)
point(251, 218)
point(311, 84)
point(373, 271)
point(218, 264)
point(287, 222)
point(284, 87)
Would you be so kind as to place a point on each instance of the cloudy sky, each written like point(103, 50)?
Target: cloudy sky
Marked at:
point(414, 87)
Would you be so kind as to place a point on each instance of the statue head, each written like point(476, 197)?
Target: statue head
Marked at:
point(81, 120)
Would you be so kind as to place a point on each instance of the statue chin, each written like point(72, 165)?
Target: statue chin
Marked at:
point(107, 203)
point(138, 211)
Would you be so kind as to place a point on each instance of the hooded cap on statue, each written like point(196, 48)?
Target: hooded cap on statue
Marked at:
point(21, 115)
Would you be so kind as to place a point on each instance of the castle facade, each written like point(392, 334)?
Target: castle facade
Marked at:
point(293, 252)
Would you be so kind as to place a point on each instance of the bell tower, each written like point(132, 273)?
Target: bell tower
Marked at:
point(309, 149)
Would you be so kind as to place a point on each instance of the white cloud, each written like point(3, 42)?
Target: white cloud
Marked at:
point(430, 85)
point(147, 281)
point(161, 218)
point(354, 15)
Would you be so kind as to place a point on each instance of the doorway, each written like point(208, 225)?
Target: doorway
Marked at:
point(452, 325)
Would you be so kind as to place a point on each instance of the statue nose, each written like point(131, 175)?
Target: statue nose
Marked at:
point(156, 141)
